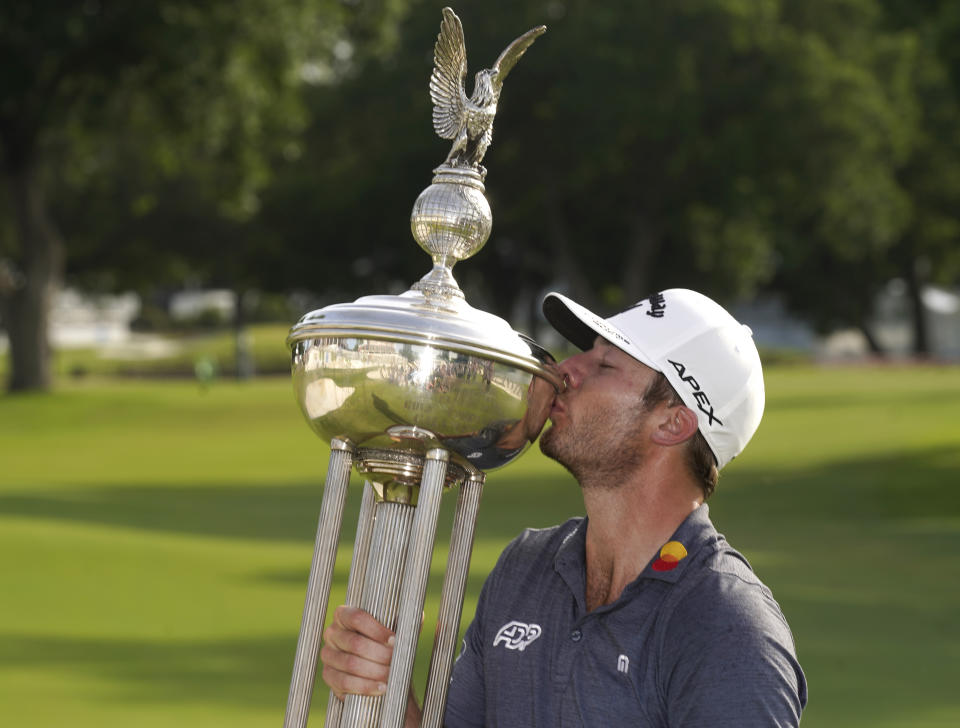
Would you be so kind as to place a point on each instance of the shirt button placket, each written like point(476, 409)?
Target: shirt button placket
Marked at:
point(568, 649)
point(568, 698)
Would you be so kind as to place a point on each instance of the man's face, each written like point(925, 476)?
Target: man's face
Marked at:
point(598, 422)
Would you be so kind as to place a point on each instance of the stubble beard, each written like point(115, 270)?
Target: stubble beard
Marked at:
point(602, 447)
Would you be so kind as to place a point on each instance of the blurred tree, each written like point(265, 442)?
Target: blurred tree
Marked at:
point(907, 50)
point(144, 131)
point(738, 143)
point(705, 143)
point(837, 228)
point(805, 145)
point(928, 250)
point(336, 220)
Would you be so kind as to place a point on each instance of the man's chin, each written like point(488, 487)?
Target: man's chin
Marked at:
point(545, 441)
point(553, 449)
point(548, 443)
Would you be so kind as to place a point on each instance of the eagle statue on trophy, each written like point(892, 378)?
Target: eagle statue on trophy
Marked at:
point(468, 121)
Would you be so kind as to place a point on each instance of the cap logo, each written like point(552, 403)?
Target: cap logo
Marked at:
point(703, 401)
point(658, 305)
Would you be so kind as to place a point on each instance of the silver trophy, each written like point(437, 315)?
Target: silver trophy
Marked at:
point(420, 393)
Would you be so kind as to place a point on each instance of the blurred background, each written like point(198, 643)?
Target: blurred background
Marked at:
point(183, 180)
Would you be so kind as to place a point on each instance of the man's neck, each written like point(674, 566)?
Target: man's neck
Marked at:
point(627, 525)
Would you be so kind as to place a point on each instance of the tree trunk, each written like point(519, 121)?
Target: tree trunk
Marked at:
point(636, 276)
point(921, 335)
point(872, 342)
point(567, 267)
point(26, 308)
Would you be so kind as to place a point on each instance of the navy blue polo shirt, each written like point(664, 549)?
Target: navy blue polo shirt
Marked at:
point(695, 640)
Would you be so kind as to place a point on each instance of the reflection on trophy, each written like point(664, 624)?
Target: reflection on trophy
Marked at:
point(421, 393)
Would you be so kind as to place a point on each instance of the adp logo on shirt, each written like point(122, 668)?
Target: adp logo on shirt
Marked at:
point(517, 635)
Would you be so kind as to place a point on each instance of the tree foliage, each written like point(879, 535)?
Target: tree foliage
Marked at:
point(136, 136)
point(810, 147)
point(726, 146)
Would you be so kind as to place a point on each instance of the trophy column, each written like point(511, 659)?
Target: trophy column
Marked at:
point(358, 570)
point(318, 584)
point(393, 549)
point(381, 593)
point(451, 601)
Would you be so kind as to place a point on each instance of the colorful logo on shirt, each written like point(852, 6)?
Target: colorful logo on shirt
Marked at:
point(671, 554)
point(517, 635)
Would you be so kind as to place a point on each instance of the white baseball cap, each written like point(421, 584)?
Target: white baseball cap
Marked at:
point(708, 357)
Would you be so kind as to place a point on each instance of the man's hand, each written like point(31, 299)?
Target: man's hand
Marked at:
point(356, 653)
point(356, 658)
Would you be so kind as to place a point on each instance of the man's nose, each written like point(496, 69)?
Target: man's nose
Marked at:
point(572, 370)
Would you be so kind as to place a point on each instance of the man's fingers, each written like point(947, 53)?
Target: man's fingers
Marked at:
point(357, 620)
point(352, 664)
point(343, 682)
point(347, 642)
point(356, 653)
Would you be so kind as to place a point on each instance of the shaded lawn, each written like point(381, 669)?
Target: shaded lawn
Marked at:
point(156, 542)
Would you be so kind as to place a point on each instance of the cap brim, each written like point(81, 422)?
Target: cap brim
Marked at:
point(580, 326)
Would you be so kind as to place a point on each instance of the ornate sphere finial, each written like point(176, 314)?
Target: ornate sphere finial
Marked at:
point(451, 219)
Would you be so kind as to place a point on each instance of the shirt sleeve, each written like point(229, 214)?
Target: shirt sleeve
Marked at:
point(465, 699)
point(732, 664)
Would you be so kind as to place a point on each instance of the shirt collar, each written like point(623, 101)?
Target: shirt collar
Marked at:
point(679, 551)
point(570, 561)
point(692, 535)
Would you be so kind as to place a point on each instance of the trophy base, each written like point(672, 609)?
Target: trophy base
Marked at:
point(396, 474)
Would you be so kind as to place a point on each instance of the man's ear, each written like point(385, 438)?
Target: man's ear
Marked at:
point(678, 425)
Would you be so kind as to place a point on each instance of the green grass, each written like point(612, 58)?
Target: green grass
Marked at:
point(155, 539)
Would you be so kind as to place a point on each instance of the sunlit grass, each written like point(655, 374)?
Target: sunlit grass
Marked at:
point(156, 538)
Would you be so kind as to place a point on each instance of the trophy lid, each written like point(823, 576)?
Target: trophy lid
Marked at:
point(412, 318)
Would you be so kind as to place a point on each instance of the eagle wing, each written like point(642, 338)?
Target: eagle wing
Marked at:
point(446, 81)
point(512, 53)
